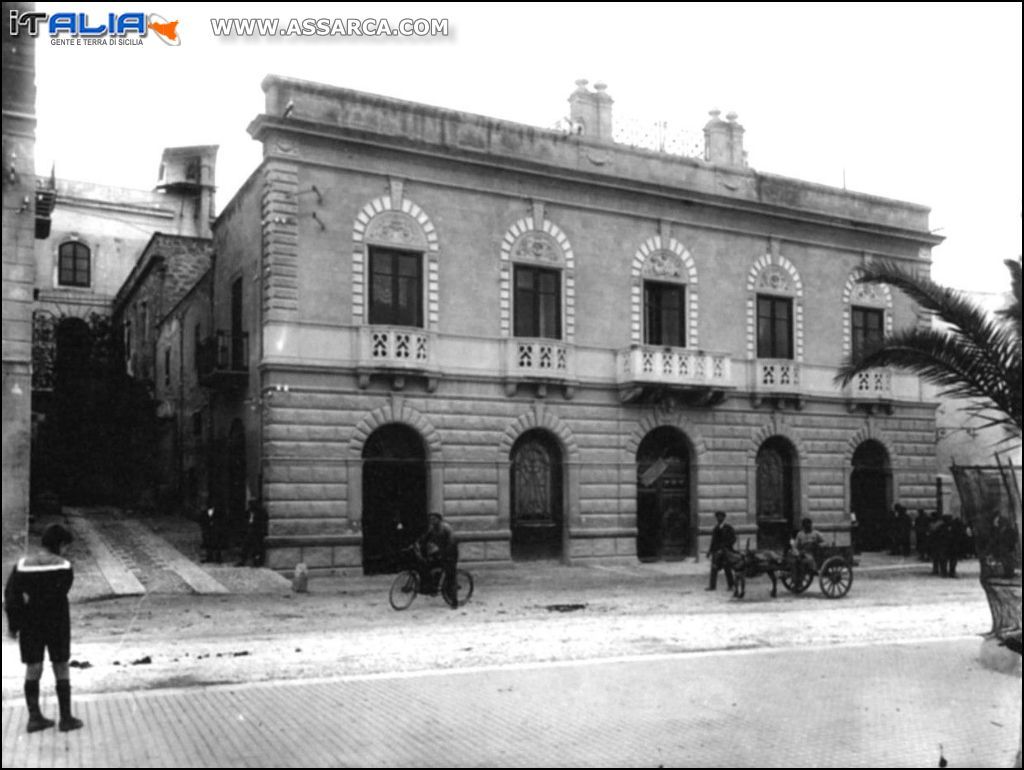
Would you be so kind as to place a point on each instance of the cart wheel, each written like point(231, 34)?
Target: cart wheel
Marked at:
point(836, 578)
point(790, 583)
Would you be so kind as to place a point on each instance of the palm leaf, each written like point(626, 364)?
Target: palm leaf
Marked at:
point(954, 363)
point(954, 307)
point(1013, 312)
point(976, 358)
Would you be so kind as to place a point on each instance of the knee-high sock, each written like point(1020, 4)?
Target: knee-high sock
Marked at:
point(64, 697)
point(32, 697)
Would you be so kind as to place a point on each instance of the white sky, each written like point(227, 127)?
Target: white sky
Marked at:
point(920, 102)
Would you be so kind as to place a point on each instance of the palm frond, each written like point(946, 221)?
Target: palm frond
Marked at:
point(953, 362)
point(953, 307)
point(1013, 312)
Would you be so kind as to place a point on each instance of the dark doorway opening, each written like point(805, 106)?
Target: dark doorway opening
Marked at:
point(394, 495)
point(870, 496)
point(537, 519)
point(236, 480)
point(663, 521)
point(777, 505)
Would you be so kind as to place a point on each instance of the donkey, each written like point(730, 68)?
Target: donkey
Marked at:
point(749, 563)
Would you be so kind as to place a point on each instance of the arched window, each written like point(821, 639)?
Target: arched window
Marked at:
point(537, 280)
point(868, 315)
point(775, 310)
point(395, 265)
point(74, 264)
point(665, 287)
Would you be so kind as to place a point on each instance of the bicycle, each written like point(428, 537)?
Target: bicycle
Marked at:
point(406, 585)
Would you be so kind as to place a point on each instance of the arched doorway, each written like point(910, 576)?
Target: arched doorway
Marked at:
point(663, 482)
point(777, 503)
point(235, 500)
point(871, 495)
point(394, 495)
point(536, 519)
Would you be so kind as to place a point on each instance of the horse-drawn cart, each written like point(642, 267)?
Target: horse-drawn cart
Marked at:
point(835, 565)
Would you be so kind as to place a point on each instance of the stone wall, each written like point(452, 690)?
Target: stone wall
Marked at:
point(315, 431)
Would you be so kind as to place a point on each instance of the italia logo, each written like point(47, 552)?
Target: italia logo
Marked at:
point(92, 26)
point(166, 31)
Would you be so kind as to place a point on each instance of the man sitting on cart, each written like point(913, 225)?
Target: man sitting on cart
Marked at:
point(805, 547)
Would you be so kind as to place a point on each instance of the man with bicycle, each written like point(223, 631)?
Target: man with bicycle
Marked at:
point(439, 548)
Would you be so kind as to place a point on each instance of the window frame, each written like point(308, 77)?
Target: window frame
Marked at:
point(774, 320)
point(528, 312)
point(392, 313)
point(79, 253)
point(860, 346)
point(662, 288)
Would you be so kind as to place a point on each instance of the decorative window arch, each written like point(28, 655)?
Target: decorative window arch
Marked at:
point(869, 295)
point(543, 419)
point(667, 262)
point(394, 222)
point(545, 246)
point(774, 275)
point(74, 264)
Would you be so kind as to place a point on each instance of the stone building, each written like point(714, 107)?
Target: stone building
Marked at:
point(571, 346)
point(96, 238)
point(162, 310)
point(19, 233)
point(97, 235)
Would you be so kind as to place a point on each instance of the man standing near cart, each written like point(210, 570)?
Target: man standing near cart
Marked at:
point(723, 540)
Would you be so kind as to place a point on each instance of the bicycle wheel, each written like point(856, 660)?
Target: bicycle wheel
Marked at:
point(404, 588)
point(463, 589)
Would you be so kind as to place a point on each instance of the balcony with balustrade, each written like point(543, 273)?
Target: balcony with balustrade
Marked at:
point(870, 390)
point(777, 379)
point(397, 352)
point(648, 372)
point(542, 362)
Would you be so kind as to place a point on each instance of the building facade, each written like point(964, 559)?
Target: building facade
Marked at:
point(19, 233)
point(571, 347)
point(96, 237)
point(162, 311)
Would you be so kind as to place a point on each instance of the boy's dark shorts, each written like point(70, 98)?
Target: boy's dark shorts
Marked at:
point(34, 643)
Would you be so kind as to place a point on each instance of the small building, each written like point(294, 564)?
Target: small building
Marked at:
point(570, 344)
point(162, 311)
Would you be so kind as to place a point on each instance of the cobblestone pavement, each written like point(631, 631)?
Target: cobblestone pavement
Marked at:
point(846, 706)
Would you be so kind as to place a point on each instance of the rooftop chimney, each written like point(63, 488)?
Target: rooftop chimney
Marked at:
point(723, 140)
point(591, 110)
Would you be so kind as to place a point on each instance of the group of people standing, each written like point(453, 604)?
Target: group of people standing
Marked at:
point(214, 534)
point(941, 539)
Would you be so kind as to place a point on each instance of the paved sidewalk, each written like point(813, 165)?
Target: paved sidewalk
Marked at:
point(856, 706)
